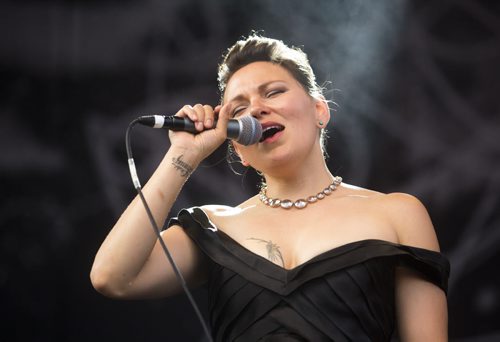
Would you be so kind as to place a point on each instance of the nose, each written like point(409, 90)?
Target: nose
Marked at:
point(257, 109)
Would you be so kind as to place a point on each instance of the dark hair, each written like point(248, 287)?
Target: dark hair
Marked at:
point(262, 49)
point(257, 48)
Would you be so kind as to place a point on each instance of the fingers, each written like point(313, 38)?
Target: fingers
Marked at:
point(209, 118)
point(203, 116)
point(189, 112)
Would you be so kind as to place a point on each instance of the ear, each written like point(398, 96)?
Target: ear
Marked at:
point(322, 111)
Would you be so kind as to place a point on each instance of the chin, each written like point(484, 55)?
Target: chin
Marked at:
point(277, 159)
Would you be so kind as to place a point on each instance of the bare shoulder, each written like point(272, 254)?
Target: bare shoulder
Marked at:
point(215, 208)
point(405, 213)
point(410, 219)
point(223, 216)
point(350, 190)
point(215, 211)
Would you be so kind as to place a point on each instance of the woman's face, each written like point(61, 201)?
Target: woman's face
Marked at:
point(289, 116)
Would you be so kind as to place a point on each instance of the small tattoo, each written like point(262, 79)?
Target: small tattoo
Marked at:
point(184, 168)
point(273, 251)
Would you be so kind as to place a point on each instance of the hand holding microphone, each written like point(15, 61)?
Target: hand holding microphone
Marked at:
point(246, 131)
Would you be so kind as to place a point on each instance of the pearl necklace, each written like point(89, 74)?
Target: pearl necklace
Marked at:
point(300, 203)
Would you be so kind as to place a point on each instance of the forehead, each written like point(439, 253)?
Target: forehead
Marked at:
point(251, 76)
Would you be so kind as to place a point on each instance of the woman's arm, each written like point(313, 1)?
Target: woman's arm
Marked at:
point(421, 306)
point(130, 262)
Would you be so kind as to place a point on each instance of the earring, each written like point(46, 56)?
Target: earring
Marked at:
point(320, 123)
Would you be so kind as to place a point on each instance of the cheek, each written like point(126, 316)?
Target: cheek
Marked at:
point(299, 108)
point(290, 111)
point(302, 114)
point(250, 156)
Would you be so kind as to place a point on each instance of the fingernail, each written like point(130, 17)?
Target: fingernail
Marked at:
point(208, 122)
point(199, 126)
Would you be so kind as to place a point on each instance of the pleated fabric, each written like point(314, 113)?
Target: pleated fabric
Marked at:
point(344, 294)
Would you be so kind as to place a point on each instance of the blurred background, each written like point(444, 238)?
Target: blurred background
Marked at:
point(417, 88)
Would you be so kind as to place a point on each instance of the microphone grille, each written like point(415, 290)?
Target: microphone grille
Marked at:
point(251, 130)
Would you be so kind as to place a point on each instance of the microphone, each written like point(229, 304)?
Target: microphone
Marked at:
point(246, 131)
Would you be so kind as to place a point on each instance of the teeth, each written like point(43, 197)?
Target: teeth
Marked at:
point(271, 127)
point(276, 128)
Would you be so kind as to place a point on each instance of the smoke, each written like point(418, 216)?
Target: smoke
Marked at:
point(351, 45)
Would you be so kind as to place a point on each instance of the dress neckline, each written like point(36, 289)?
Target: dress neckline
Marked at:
point(244, 253)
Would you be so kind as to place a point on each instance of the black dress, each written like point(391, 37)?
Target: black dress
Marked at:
point(344, 294)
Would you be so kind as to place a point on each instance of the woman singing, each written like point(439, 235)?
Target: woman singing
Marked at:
point(309, 258)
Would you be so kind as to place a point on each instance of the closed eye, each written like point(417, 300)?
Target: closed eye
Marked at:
point(274, 92)
point(238, 110)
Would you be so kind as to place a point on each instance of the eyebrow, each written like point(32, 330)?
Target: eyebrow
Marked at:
point(259, 88)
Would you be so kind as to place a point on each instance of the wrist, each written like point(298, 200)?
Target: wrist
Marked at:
point(183, 160)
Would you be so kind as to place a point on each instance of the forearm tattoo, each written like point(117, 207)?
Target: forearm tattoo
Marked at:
point(273, 251)
point(184, 168)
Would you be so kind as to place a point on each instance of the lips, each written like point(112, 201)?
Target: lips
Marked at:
point(269, 130)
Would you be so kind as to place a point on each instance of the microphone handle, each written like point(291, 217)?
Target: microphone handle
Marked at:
point(175, 123)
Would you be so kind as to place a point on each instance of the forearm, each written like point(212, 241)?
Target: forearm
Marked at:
point(129, 244)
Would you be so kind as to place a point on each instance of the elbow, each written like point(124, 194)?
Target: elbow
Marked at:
point(103, 282)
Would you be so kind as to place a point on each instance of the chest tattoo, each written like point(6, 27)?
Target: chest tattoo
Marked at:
point(273, 251)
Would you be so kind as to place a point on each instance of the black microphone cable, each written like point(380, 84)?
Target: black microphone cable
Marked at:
point(178, 274)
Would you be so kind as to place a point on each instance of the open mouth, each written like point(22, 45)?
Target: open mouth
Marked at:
point(269, 131)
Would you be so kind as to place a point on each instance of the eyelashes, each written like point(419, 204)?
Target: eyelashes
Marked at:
point(274, 92)
point(238, 110)
point(268, 95)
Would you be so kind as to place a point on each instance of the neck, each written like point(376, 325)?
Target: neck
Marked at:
point(304, 182)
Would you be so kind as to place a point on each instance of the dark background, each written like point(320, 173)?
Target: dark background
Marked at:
point(418, 99)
